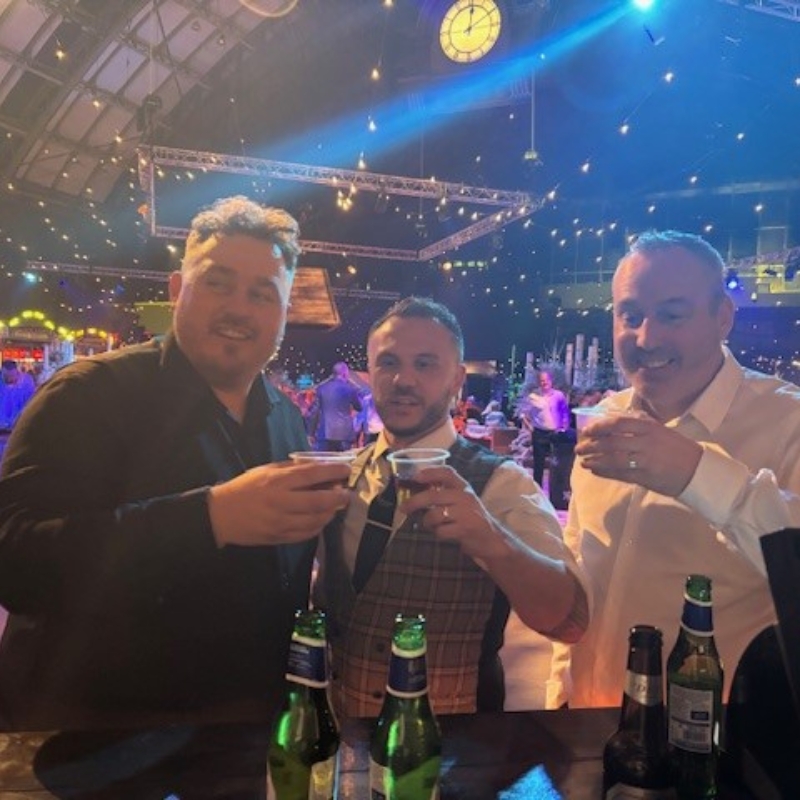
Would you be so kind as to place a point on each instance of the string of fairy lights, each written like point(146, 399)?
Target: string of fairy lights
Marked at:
point(513, 275)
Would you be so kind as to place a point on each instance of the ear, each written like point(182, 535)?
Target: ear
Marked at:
point(458, 381)
point(725, 316)
point(175, 283)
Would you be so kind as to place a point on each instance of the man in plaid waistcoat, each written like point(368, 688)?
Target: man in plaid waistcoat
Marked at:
point(479, 539)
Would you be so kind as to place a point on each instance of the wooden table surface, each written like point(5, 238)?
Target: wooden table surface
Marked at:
point(537, 755)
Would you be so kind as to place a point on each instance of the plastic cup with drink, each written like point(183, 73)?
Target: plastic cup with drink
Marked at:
point(585, 415)
point(324, 457)
point(407, 464)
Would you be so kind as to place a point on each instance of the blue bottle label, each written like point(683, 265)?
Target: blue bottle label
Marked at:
point(697, 616)
point(408, 674)
point(307, 663)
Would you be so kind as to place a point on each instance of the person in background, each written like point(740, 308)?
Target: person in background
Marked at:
point(546, 414)
point(16, 389)
point(478, 539)
point(152, 555)
point(337, 399)
point(701, 460)
point(493, 416)
point(369, 423)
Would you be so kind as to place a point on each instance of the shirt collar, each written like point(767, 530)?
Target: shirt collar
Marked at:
point(713, 404)
point(443, 437)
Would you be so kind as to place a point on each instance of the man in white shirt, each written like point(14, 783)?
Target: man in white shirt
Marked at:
point(702, 460)
point(546, 414)
point(479, 538)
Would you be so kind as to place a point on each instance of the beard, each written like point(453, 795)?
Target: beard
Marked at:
point(433, 415)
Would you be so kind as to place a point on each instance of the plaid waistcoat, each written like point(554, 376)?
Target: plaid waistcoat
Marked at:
point(418, 574)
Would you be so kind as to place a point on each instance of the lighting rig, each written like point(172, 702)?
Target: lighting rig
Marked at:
point(511, 205)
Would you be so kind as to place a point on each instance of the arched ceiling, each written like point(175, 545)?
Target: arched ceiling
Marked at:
point(82, 83)
point(622, 145)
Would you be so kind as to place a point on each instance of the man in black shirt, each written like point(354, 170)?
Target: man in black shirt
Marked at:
point(152, 555)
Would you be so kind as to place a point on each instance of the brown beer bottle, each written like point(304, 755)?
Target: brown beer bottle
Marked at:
point(635, 760)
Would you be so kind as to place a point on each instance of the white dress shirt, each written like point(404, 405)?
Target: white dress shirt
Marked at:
point(638, 546)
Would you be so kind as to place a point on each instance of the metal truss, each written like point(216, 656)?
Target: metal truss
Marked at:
point(100, 271)
point(329, 176)
point(786, 9)
point(513, 205)
point(52, 267)
point(489, 224)
point(311, 246)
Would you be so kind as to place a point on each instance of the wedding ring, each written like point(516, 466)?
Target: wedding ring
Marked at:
point(633, 463)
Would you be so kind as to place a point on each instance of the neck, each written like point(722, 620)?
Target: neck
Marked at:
point(398, 441)
point(234, 399)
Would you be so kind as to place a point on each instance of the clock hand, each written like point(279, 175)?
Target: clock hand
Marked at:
point(471, 13)
point(486, 18)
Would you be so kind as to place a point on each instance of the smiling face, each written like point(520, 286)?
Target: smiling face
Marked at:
point(231, 300)
point(416, 372)
point(670, 319)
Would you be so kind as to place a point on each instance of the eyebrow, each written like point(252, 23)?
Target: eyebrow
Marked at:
point(393, 353)
point(670, 301)
point(263, 280)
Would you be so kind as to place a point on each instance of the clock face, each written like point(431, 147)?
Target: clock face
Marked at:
point(470, 29)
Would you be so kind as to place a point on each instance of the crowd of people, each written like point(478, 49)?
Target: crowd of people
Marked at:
point(154, 547)
point(16, 389)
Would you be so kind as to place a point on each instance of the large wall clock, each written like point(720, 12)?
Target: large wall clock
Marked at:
point(470, 29)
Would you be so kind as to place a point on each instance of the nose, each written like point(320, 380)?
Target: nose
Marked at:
point(404, 376)
point(239, 302)
point(647, 334)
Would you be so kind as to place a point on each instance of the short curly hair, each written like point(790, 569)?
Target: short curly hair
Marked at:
point(238, 214)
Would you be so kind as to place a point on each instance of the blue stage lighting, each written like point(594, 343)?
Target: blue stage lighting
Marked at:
point(643, 5)
point(732, 280)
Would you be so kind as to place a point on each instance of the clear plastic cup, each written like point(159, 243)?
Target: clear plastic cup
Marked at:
point(408, 463)
point(324, 457)
point(585, 415)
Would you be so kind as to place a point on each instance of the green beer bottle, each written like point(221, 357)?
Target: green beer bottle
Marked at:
point(694, 696)
point(406, 747)
point(635, 758)
point(304, 746)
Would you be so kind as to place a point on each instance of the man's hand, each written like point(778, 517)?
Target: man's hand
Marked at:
point(639, 450)
point(277, 503)
point(451, 510)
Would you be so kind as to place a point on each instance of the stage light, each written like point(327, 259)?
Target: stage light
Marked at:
point(732, 281)
point(643, 5)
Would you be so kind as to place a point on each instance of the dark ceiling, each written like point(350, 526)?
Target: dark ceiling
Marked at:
point(686, 117)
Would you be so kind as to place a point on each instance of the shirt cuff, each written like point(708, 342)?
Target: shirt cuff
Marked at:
point(716, 485)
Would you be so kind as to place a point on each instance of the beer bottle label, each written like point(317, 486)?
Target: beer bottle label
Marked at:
point(691, 719)
point(306, 662)
point(408, 675)
point(422, 783)
point(316, 783)
point(643, 689)
point(323, 779)
point(619, 791)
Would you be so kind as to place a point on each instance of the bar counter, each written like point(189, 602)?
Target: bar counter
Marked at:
point(537, 755)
